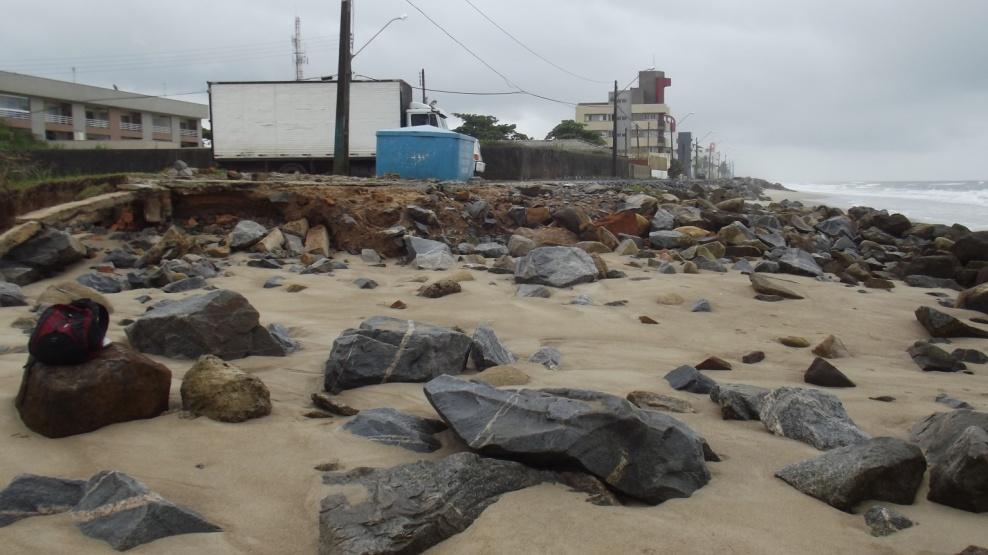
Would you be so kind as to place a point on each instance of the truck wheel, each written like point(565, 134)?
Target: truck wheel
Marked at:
point(292, 168)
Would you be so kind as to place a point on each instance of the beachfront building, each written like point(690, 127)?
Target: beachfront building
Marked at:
point(82, 116)
point(642, 132)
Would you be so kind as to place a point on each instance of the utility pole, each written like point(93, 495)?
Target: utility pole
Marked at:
point(638, 142)
point(341, 153)
point(299, 54)
point(422, 81)
point(614, 126)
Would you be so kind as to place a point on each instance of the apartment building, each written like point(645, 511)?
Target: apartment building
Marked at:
point(642, 132)
point(82, 116)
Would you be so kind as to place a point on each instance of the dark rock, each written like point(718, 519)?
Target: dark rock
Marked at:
point(329, 403)
point(811, 416)
point(930, 282)
point(669, 239)
point(384, 350)
point(271, 264)
point(687, 378)
point(118, 385)
point(951, 402)
point(975, 298)
point(744, 267)
point(246, 234)
point(941, 324)
point(556, 267)
point(960, 477)
point(491, 250)
point(838, 226)
point(273, 282)
point(48, 252)
point(701, 305)
point(440, 288)
point(753, 357)
point(550, 357)
point(187, 284)
point(714, 363)
point(104, 283)
point(533, 291)
point(487, 350)
point(799, 262)
point(409, 508)
point(29, 495)
point(18, 273)
point(662, 220)
point(220, 323)
point(771, 286)
point(124, 513)
point(656, 401)
point(645, 454)
point(393, 427)
point(11, 295)
point(824, 374)
point(931, 358)
point(709, 265)
point(883, 398)
point(970, 355)
point(942, 266)
point(937, 432)
point(121, 259)
point(739, 401)
point(884, 469)
point(884, 521)
point(768, 298)
point(283, 337)
point(365, 283)
point(767, 267)
point(972, 246)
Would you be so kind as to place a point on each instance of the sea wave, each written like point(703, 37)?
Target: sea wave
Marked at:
point(967, 193)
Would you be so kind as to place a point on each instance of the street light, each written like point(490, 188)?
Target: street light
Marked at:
point(401, 17)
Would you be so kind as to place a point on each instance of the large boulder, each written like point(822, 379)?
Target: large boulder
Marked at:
point(384, 350)
point(221, 323)
point(221, 391)
point(824, 374)
point(246, 234)
point(393, 427)
point(937, 265)
point(556, 267)
point(427, 254)
point(11, 295)
point(883, 469)
point(670, 239)
point(409, 508)
point(811, 416)
point(972, 246)
point(975, 298)
point(941, 324)
point(937, 432)
point(838, 226)
point(18, 235)
point(124, 513)
point(931, 358)
point(771, 286)
point(960, 479)
point(28, 495)
point(688, 378)
point(799, 262)
point(49, 251)
point(487, 350)
point(644, 454)
point(739, 401)
point(118, 385)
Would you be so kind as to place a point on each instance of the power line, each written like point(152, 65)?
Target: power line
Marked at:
point(523, 45)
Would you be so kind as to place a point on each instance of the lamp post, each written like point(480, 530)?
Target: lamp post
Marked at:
point(401, 17)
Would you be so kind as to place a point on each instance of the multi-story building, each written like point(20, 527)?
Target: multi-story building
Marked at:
point(641, 127)
point(83, 116)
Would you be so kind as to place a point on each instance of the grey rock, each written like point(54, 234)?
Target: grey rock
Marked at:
point(245, 234)
point(960, 478)
point(550, 357)
point(701, 305)
point(384, 350)
point(670, 239)
point(744, 267)
point(11, 295)
point(556, 267)
point(929, 282)
point(104, 283)
point(582, 300)
point(365, 283)
point(799, 262)
point(644, 454)
point(272, 264)
point(664, 268)
point(767, 267)
point(687, 378)
point(941, 324)
point(370, 256)
point(739, 401)
point(220, 323)
point(970, 355)
point(427, 254)
point(884, 469)
point(937, 432)
point(811, 416)
point(709, 265)
point(124, 513)
point(294, 245)
point(283, 337)
point(121, 259)
point(663, 220)
point(393, 427)
point(772, 239)
point(19, 273)
point(838, 226)
point(321, 266)
point(187, 284)
point(931, 358)
point(884, 521)
point(952, 402)
point(491, 250)
point(532, 290)
point(519, 246)
point(29, 495)
point(411, 507)
point(273, 282)
point(487, 350)
point(48, 252)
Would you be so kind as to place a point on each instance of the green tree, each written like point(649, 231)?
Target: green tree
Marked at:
point(569, 129)
point(487, 128)
point(675, 168)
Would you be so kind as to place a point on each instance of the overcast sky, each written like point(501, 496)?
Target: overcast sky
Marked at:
point(797, 91)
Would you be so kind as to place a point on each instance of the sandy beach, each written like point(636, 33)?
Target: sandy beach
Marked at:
point(256, 479)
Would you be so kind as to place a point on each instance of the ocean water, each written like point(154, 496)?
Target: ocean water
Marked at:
point(943, 202)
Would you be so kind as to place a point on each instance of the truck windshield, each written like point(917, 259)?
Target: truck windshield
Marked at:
point(420, 119)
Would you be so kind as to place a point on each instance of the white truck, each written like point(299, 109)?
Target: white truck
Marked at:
point(289, 126)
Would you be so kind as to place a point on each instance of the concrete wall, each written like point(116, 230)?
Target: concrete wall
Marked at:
point(516, 162)
point(94, 161)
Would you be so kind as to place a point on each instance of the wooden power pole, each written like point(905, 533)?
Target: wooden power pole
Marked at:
point(341, 152)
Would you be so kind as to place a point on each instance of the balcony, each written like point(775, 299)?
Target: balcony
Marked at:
point(127, 126)
point(58, 118)
point(98, 123)
point(14, 114)
point(189, 133)
point(162, 129)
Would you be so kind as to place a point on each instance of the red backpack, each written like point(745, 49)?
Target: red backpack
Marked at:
point(69, 333)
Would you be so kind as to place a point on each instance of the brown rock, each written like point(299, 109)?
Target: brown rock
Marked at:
point(601, 266)
point(221, 391)
point(690, 268)
point(794, 341)
point(460, 276)
point(731, 205)
point(824, 374)
point(670, 299)
point(173, 244)
point(317, 241)
point(646, 320)
point(299, 228)
point(13, 237)
point(549, 236)
point(771, 286)
point(753, 357)
point(879, 283)
point(975, 298)
point(507, 374)
point(831, 347)
point(537, 216)
point(295, 288)
point(440, 288)
point(399, 305)
point(694, 232)
point(714, 363)
point(118, 385)
point(272, 242)
point(657, 401)
point(627, 222)
point(328, 403)
point(66, 292)
point(593, 247)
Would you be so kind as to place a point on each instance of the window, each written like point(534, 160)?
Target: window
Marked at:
point(132, 118)
point(597, 117)
point(163, 121)
point(646, 117)
point(14, 104)
point(97, 137)
point(188, 125)
point(420, 119)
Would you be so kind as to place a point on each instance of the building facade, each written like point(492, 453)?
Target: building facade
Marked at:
point(82, 116)
point(642, 132)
